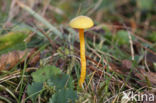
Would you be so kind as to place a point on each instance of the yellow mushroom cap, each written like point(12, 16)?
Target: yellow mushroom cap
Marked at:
point(81, 22)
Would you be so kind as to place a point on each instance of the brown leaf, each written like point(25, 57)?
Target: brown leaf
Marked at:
point(34, 57)
point(9, 60)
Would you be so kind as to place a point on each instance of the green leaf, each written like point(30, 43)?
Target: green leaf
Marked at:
point(59, 81)
point(34, 89)
point(45, 73)
point(122, 37)
point(64, 96)
point(145, 4)
point(11, 39)
point(20, 46)
point(152, 37)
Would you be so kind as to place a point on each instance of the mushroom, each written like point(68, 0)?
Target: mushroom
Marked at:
point(81, 23)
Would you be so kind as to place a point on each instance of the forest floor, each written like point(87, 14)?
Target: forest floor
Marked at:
point(40, 52)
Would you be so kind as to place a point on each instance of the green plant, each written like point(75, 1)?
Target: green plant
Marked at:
point(122, 37)
point(50, 78)
point(65, 95)
point(12, 39)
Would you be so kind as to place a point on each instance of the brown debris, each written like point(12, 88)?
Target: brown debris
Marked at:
point(11, 59)
point(125, 68)
point(149, 77)
point(127, 64)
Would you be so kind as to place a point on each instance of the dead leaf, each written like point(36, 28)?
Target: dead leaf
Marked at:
point(35, 58)
point(9, 60)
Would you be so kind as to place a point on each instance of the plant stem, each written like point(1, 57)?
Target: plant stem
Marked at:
point(83, 57)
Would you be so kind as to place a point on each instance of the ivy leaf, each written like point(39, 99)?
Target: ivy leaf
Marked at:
point(59, 81)
point(34, 89)
point(43, 74)
point(64, 96)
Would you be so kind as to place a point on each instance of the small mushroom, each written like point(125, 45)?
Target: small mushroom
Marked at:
point(81, 23)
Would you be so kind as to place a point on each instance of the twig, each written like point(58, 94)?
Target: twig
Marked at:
point(131, 42)
point(146, 65)
point(46, 4)
point(15, 75)
point(149, 50)
point(51, 42)
point(56, 10)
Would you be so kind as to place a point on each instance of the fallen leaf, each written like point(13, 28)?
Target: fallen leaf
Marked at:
point(9, 60)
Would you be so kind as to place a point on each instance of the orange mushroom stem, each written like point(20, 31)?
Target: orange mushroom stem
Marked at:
point(83, 57)
point(81, 23)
